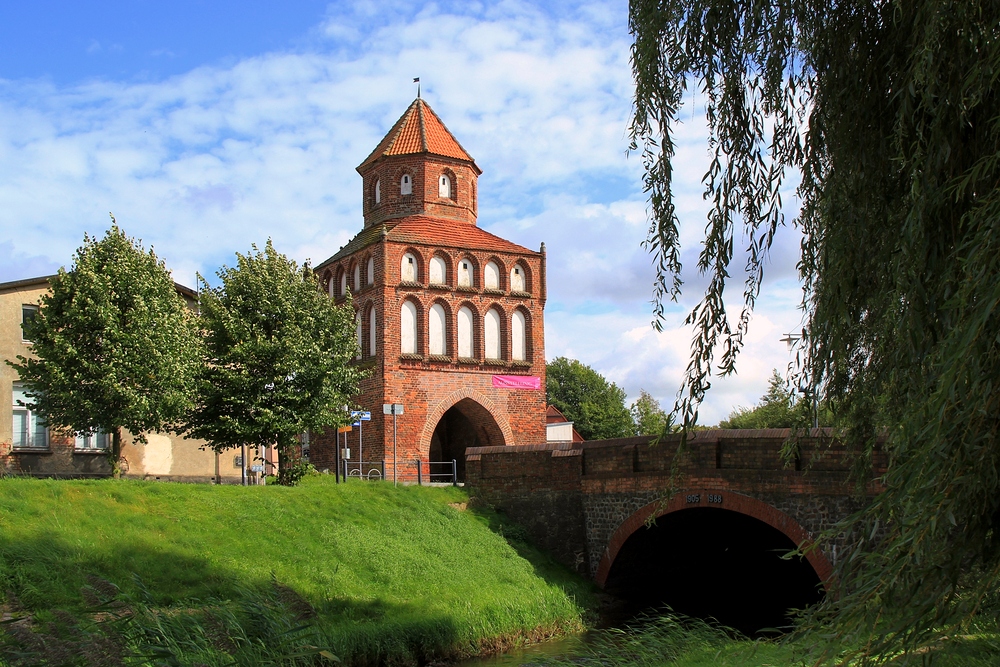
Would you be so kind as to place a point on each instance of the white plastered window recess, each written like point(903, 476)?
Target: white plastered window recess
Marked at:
point(408, 268)
point(406, 185)
point(444, 186)
point(408, 328)
point(491, 334)
point(517, 282)
point(437, 331)
point(465, 273)
point(491, 276)
point(438, 270)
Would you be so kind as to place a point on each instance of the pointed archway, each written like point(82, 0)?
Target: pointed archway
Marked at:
point(465, 424)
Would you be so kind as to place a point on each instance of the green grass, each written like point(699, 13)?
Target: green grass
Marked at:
point(385, 574)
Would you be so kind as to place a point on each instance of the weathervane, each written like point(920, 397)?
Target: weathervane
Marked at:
point(416, 80)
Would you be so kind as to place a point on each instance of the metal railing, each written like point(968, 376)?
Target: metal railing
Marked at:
point(438, 472)
point(370, 470)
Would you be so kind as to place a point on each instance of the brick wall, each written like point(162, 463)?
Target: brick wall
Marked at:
point(429, 385)
point(575, 499)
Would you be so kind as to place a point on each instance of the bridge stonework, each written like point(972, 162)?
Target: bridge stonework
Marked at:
point(581, 501)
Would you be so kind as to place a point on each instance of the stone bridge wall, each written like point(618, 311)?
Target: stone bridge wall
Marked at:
point(573, 497)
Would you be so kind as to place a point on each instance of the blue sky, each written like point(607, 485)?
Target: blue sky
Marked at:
point(208, 126)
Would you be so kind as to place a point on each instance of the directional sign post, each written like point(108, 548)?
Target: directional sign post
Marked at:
point(393, 409)
point(360, 416)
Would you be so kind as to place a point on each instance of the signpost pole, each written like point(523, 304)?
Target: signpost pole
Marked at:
point(394, 446)
point(361, 459)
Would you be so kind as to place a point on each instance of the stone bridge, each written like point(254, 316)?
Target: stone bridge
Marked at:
point(605, 509)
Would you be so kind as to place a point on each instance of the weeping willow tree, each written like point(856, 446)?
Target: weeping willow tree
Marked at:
point(887, 114)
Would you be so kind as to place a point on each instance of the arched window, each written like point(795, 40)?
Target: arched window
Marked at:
point(491, 334)
point(357, 277)
point(357, 332)
point(331, 286)
point(444, 186)
point(372, 335)
point(518, 337)
point(517, 279)
point(408, 328)
point(378, 191)
point(465, 277)
point(491, 276)
point(371, 271)
point(343, 283)
point(408, 268)
point(406, 185)
point(438, 270)
point(437, 326)
point(465, 348)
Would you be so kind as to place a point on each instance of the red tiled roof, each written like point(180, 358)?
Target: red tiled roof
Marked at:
point(422, 230)
point(418, 130)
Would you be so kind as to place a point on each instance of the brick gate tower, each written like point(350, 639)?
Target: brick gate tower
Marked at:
point(449, 317)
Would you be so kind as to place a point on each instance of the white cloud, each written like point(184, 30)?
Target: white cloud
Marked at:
point(203, 164)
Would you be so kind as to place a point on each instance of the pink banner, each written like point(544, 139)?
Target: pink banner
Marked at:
point(516, 382)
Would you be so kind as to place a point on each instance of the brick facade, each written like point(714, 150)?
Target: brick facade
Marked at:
point(450, 401)
point(581, 501)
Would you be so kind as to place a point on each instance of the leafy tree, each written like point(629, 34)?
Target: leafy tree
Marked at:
point(648, 417)
point(888, 112)
point(776, 409)
point(278, 359)
point(595, 406)
point(116, 346)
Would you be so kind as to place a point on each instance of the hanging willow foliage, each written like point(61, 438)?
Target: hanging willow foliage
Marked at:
point(889, 112)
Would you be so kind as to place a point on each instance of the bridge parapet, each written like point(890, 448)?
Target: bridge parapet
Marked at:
point(574, 498)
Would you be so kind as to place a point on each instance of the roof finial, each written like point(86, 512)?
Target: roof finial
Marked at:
point(416, 80)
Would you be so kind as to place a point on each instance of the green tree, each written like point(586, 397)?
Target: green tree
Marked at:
point(115, 345)
point(278, 359)
point(776, 409)
point(595, 406)
point(647, 415)
point(888, 113)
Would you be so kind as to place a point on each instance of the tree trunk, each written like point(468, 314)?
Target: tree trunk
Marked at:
point(116, 453)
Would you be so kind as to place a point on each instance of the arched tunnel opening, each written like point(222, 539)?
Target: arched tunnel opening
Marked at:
point(714, 564)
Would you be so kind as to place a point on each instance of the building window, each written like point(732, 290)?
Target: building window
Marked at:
point(357, 277)
point(371, 271)
point(438, 270)
point(343, 283)
point(465, 273)
point(408, 328)
point(444, 186)
point(357, 334)
point(28, 313)
point(331, 286)
point(378, 191)
point(408, 269)
point(465, 348)
point(517, 279)
point(437, 330)
point(491, 276)
point(93, 441)
point(518, 337)
point(29, 428)
point(372, 335)
point(491, 334)
point(406, 185)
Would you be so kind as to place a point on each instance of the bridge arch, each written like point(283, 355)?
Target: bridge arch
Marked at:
point(733, 502)
point(715, 555)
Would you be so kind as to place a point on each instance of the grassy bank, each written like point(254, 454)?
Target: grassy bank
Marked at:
point(373, 573)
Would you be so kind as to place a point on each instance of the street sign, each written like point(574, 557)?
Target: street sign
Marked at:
point(357, 423)
point(361, 415)
point(392, 408)
point(257, 468)
point(344, 429)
